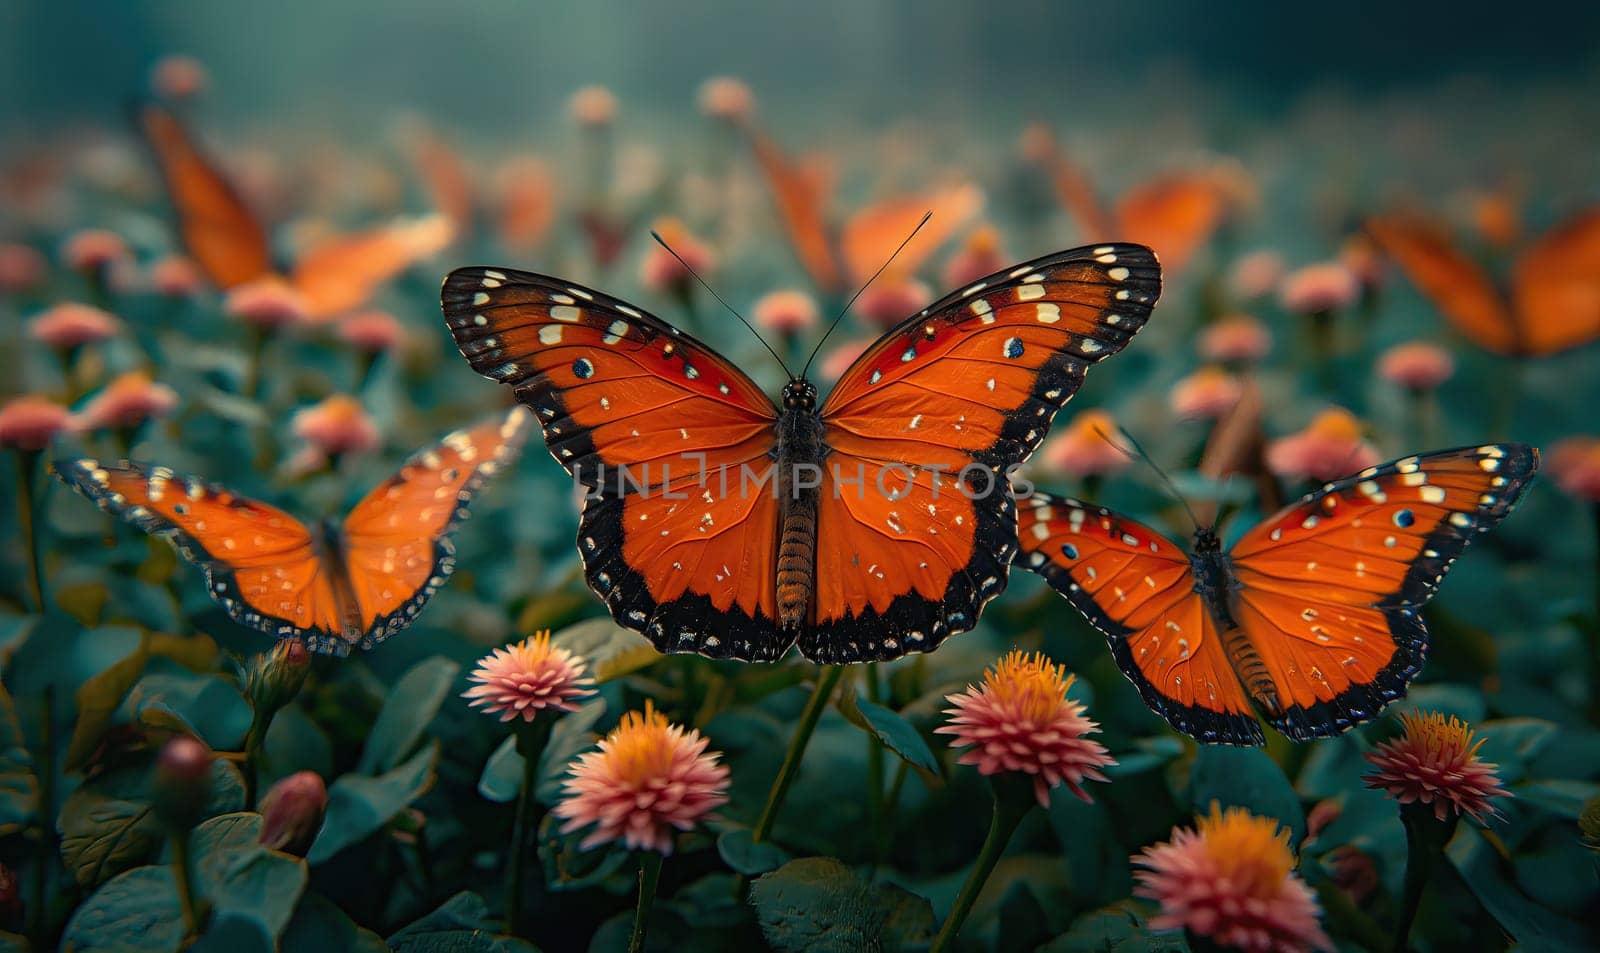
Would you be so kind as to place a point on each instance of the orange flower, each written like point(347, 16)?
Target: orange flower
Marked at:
point(339, 424)
point(1085, 447)
point(1575, 466)
point(176, 277)
point(372, 331)
point(648, 779)
point(978, 258)
point(1329, 448)
point(1207, 394)
point(727, 99)
point(1237, 338)
point(1416, 365)
point(1231, 880)
point(128, 401)
point(72, 325)
point(178, 77)
point(267, 303)
point(1255, 275)
point(785, 312)
point(1020, 719)
point(30, 422)
point(521, 680)
point(1319, 289)
point(1435, 761)
point(891, 299)
point(662, 271)
point(94, 249)
point(593, 106)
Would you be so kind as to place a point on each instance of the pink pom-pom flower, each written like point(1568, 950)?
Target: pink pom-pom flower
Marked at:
point(528, 677)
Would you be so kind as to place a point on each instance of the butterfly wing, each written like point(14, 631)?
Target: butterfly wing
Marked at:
point(1461, 290)
point(1174, 214)
point(1555, 286)
point(261, 564)
point(968, 385)
point(397, 546)
point(1137, 588)
point(801, 208)
point(219, 231)
point(675, 551)
point(871, 235)
point(1331, 588)
point(339, 274)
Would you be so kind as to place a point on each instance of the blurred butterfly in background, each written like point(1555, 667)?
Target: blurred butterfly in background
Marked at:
point(354, 581)
point(1312, 619)
point(1551, 303)
point(850, 254)
point(228, 241)
point(520, 200)
point(701, 560)
point(1176, 213)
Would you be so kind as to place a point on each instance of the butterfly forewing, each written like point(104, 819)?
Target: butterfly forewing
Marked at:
point(1555, 286)
point(1458, 286)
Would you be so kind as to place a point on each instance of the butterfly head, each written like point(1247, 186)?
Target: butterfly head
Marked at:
point(799, 394)
point(1206, 540)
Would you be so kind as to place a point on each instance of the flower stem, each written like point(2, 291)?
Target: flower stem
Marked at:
point(826, 681)
point(1013, 799)
point(1426, 836)
point(46, 816)
point(649, 874)
point(27, 467)
point(182, 875)
point(254, 743)
point(531, 738)
point(875, 805)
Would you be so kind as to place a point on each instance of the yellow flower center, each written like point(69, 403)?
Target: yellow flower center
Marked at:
point(1030, 686)
point(641, 748)
point(1336, 424)
point(1436, 737)
point(1251, 851)
point(1093, 425)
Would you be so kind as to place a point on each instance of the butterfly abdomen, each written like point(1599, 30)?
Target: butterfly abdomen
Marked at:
point(799, 454)
point(1216, 585)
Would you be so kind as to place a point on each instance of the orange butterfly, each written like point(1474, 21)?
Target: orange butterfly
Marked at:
point(867, 238)
point(521, 200)
point(1176, 213)
point(1313, 618)
point(342, 583)
point(1554, 299)
point(230, 244)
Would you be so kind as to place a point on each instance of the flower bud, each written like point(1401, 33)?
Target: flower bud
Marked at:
point(276, 677)
point(292, 811)
point(10, 898)
point(181, 784)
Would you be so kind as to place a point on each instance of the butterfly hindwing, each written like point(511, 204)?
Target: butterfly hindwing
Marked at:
point(1137, 588)
point(676, 547)
point(1332, 587)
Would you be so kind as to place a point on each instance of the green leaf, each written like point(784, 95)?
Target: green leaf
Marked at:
point(501, 779)
point(898, 735)
point(1148, 755)
point(410, 706)
point(461, 925)
point(1115, 929)
point(135, 910)
point(98, 699)
point(1248, 778)
point(818, 904)
point(206, 706)
point(318, 924)
point(103, 835)
point(568, 866)
point(359, 806)
point(1559, 796)
point(747, 857)
point(569, 737)
point(1513, 742)
point(609, 650)
point(19, 788)
point(1531, 925)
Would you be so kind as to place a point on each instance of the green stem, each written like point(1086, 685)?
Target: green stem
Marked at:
point(1322, 351)
point(182, 875)
point(875, 753)
point(827, 680)
point(531, 738)
point(252, 375)
point(27, 467)
point(46, 816)
point(1426, 836)
point(254, 745)
point(1013, 799)
point(649, 874)
point(890, 801)
point(1510, 393)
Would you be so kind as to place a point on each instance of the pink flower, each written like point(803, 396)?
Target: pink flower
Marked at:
point(891, 299)
point(1020, 719)
point(71, 325)
point(1435, 761)
point(593, 106)
point(978, 258)
point(1037, 144)
point(1207, 394)
point(1362, 259)
point(1232, 881)
point(1575, 466)
point(521, 680)
point(727, 99)
point(372, 331)
point(178, 77)
point(838, 360)
point(662, 271)
point(128, 401)
point(22, 268)
point(1084, 448)
point(785, 312)
point(1255, 275)
point(1416, 365)
point(267, 303)
point(1329, 448)
point(93, 250)
point(292, 811)
point(339, 424)
point(1237, 338)
point(648, 778)
point(1319, 289)
point(176, 277)
point(30, 422)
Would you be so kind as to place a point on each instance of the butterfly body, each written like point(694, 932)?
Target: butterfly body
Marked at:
point(800, 449)
point(1312, 619)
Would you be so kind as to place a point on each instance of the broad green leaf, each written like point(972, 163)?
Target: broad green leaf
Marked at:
point(461, 925)
point(1513, 742)
point(1248, 778)
point(410, 706)
point(103, 835)
point(747, 857)
point(1559, 796)
point(206, 706)
point(136, 910)
point(818, 904)
point(98, 699)
point(359, 806)
point(1533, 927)
point(1147, 755)
point(502, 773)
point(898, 735)
point(19, 787)
point(318, 924)
point(1115, 929)
point(568, 866)
point(608, 649)
point(569, 737)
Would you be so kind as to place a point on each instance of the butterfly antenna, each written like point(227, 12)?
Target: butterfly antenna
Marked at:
point(1141, 454)
point(663, 243)
point(846, 309)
